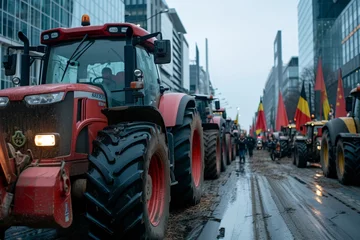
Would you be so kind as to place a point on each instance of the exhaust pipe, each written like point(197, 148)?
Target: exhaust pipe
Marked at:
point(25, 60)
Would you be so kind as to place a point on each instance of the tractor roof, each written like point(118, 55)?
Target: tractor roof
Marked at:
point(203, 96)
point(355, 90)
point(316, 123)
point(219, 110)
point(108, 30)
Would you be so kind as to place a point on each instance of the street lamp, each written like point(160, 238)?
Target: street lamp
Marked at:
point(162, 11)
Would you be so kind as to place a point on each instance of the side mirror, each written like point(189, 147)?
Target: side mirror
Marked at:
point(9, 63)
point(349, 101)
point(217, 105)
point(162, 51)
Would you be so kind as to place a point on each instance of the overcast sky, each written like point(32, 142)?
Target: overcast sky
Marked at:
point(241, 34)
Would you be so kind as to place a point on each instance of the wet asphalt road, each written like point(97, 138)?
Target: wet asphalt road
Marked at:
point(262, 199)
point(276, 200)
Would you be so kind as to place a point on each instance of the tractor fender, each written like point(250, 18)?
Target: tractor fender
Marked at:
point(151, 114)
point(348, 136)
point(172, 107)
point(285, 138)
point(300, 138)
point(210, 126)
point(339, 125)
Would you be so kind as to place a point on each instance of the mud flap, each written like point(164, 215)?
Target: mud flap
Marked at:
point(41, 197)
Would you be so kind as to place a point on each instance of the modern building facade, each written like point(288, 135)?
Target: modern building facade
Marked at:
point(155, 16)
point(348, 27)
point(290, 87)
point(32, 17)
point(316, 19)
point(269, 99)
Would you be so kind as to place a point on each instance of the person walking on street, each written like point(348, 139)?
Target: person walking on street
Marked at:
point(241, 142)
point(251, 142)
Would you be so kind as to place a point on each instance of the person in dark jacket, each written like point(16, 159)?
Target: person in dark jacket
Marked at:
point(241, 142)
point(251, 142)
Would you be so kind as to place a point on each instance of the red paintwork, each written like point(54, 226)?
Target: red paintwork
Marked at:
point(18, 93)
point(168, 107)
point(100, 31)
point(217, 120)
point(39, 197)
point(319, 133)
point(196, 158)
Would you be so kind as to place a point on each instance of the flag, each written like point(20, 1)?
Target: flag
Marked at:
point(237, 118)
point(320, 86)
point(340, 110)
point(281, 116)
point(260, 121)
point(302, 114)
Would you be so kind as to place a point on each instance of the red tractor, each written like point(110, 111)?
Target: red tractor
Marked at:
point(231, 148)
point(112, 147)
point(214, 137)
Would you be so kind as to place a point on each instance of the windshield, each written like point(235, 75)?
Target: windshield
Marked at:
point(100, 61)
point(357, 108)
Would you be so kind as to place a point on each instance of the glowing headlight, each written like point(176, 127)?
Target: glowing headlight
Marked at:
point(44, 98)
point(318, 147)
point(4, 101)
point(45, 140)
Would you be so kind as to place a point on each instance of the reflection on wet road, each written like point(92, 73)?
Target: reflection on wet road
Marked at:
point(267, 200)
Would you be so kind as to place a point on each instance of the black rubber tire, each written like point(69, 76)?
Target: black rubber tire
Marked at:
point(301, 155)
point(224, 152)
point(212, 149)
point(351, 154)
point(228, 149)
point(329, 170)
point(116, 182)
point(294, 154)
point(234, 151)
point(185, 192)
point(284, 148)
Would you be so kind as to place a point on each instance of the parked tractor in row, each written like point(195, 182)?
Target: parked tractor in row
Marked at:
point(215, 145)
point(286, 139)
point(307, 148)
point(116, 145)
point(340, 145)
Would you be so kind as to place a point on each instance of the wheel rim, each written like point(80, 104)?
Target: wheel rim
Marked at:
point(325, 154)
point(155, 190)
point(196, 158)
point(218, 155)
point(341, 161)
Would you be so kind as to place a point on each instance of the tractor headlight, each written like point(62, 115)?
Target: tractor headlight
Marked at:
point(46, 140)
point(318, 147)
point(47, 98)
point(4, 101)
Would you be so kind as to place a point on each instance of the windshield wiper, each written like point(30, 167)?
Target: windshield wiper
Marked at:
point(72, 56)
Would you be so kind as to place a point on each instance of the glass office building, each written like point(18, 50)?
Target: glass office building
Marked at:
point(32, 17)
point(348, 27)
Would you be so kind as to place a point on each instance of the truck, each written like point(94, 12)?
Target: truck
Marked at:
point(114, 148)
point(340, 152)
point(214, 136)
point(307, 148)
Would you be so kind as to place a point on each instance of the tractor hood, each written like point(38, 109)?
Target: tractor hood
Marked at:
point(18, 93)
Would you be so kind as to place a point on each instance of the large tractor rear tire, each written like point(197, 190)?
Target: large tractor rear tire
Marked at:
point(212, 154)
point(228, 147)
point(301, 155)
point(234, 151)
point(128, 183)
point(284, 148)
point(189, 160)
point(327, 158)
point(347, 162)
point(224, 152)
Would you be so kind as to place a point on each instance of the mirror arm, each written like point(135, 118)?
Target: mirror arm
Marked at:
point(139, 40)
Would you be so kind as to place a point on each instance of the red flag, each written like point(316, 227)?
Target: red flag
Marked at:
point(320, 86)
point(319, 81)
point(260, 121)
point(281, 117)
point(302, 114)
point(340, 110)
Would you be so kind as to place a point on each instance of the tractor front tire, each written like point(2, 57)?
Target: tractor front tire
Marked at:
point(301, 155)
point(327, 158)
point(284, 148)
point(347, 162)
point(128, 183)
point(228, 147)
point(224, 152)
point(212, 154)
point(189, 160)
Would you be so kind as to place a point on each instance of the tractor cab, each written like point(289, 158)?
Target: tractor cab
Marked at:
point(204, 106)
point(120, 59)
point(220, 112)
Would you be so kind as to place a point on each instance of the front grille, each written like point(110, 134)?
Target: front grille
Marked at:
point(32, 120)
